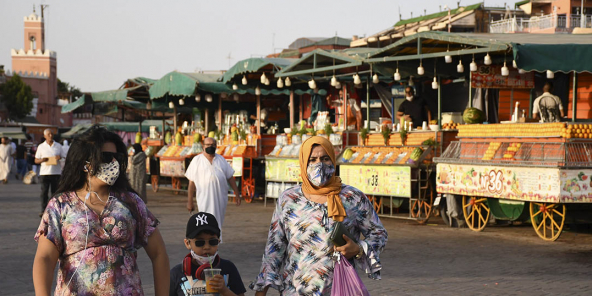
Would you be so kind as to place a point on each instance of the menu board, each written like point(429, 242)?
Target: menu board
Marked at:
point(491, 77)
point(378, 180)
point(517, 183)
point(282, 169)
point(237, 165)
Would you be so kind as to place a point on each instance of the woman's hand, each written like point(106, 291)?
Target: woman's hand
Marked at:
point(350, 249)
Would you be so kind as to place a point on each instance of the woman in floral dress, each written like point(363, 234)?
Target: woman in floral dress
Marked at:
point(94, 225)
point(297, 258)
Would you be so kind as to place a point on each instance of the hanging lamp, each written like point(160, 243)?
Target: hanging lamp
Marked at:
point(473, 65)
point(171, 105)
point(257, 90)
point(487, 60)
point(420, 69)
point(550, 74)
point(397, 75)
point(181, 102)
point(288, 82)
point(244, 80)
point(209, 98)
point(460, 68)
point(263, 77)
point(234, 86)
point(197, 97)
point(280, 83)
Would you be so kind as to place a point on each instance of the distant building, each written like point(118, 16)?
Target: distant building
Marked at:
point(307, 44)
point(37, 66)
point(468, 19)
point(548, 17)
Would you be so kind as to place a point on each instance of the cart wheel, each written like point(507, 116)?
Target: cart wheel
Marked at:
point(421, 208)
point(154, 182)
point(376, 202)
point(248, 191)
point(547, 219)
point(476, 212)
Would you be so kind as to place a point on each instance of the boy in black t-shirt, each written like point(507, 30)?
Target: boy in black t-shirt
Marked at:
point(202, 239)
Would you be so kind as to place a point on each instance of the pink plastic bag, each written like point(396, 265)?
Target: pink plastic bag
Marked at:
point(346, 281)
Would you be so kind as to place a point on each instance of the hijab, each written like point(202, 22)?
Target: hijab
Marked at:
point(332, 188)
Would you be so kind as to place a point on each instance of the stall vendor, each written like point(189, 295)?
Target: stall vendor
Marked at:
point(414, 109)
point(547, 107)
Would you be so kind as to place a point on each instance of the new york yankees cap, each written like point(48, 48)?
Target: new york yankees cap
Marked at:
point(200, 222)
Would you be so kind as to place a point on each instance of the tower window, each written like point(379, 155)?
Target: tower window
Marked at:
point(33, 43)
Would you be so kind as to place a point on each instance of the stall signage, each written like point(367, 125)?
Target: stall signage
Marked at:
point(491, 77)
point(237, 165)
point(525, 184)
point(378, 180)
point(287, 170)
point(172, 168)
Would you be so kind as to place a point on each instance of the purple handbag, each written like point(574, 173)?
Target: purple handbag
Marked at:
point(346, 281)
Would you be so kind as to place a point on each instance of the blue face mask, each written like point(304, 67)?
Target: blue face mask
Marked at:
point(320, 173)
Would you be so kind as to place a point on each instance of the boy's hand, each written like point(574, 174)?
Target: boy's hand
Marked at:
point(217, 282)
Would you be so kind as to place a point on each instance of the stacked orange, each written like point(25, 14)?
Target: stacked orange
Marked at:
point(521, 130)
point(490, 153)
point(511, 151)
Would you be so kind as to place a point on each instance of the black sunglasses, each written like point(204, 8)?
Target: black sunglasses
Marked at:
point(212, 242)
point(107, 157)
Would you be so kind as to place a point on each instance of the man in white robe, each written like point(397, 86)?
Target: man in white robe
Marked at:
point(209, 175)
point(6, 153)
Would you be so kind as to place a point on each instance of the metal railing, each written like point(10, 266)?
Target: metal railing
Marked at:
point(538, 23)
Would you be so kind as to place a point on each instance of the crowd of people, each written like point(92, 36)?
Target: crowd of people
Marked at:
point(97, 219)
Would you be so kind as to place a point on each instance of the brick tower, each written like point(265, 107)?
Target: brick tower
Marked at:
point(37, 66)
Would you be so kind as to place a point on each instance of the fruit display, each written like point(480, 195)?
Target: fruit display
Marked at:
point(381, 155)
point(138, 137)
point(554, 129)
point(473, 115)
point(491, 150)
point(179, 139)
point(451, 125)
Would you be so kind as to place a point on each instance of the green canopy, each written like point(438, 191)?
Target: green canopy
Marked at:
point(112, 95)
point(542, 57)
point(184, 84)
point(12, 132)
point(79, 128)
point(254, 65)
point(75, 105)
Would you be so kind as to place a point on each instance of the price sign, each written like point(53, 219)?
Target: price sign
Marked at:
point(378, 180)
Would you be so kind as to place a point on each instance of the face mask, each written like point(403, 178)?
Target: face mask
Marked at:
point(409, 98)
point(108, 172)
point(211, 150)
point(203, 260)
point(319, 173)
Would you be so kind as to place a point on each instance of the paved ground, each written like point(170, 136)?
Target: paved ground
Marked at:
point(419, 260)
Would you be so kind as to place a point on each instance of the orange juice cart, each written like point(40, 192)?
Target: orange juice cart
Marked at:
point(174, 160)
point(240, 155)
point(396, 177)
point(537, 172)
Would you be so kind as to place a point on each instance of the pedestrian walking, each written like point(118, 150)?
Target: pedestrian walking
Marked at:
point(21, 161)
point(95, 224)
point(6, 153)
point(209, 175)
point(297, 257)
point(48, 154)
point(138, 172)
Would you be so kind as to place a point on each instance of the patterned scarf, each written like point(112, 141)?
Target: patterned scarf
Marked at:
point(332, 188)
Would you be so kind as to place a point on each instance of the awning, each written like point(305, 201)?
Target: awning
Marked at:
point(79, 128)
point(74, 105)
point(322, 62)
point(13, 132)
point(112, 95)
point(542, 57)
point(182, 84)
point(255, 65)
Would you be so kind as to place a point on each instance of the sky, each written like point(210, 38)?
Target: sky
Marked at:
point(100, 44)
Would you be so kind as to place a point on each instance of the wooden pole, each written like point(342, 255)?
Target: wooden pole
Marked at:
point(259, 115)
point(574, 108)
point(368, 102)
point(291, 108)
point(174, 132)
point(220, 113)
point(207, 121)
point(439, 104)
point(300, 108)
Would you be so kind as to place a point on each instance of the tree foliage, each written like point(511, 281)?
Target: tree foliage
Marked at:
point(17, 97)
point(65, 87)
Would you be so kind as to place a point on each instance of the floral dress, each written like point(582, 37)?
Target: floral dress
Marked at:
point(104, 263)
point(297, 257)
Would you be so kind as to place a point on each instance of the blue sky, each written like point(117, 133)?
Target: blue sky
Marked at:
point(102, 43)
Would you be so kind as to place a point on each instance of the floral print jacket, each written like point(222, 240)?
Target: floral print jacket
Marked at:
point(104, 261)
point(297, 257)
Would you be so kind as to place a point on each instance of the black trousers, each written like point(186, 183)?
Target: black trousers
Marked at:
point(46, 182)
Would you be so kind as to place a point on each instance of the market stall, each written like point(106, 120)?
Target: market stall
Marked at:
point(520, 171)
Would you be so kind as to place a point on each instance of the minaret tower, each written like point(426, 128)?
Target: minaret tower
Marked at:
point(37, 66)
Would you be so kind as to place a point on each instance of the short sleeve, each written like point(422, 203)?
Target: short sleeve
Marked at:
point(559, 102)
point(51, 225)
point(401, 107)
point(38, 152)
point(235, 282)
point(146, 223)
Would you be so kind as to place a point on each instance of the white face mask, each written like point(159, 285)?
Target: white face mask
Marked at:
point(409, 98)
point(203, 260)
point(108, 172)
